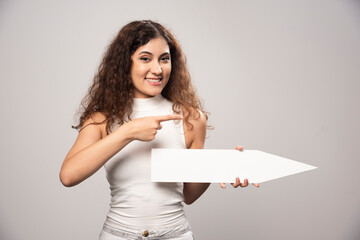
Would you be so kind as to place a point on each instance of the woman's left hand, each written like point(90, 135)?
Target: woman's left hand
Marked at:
point(237, 180)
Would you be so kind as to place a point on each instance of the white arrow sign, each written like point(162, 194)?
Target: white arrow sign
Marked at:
point(213, 165)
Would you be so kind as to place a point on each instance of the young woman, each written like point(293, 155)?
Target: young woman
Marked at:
point(141, 98)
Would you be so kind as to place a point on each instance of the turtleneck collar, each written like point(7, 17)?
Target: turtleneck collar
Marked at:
point(145, 104)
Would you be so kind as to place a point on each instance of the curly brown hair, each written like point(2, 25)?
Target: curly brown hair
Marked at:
point(111, 92)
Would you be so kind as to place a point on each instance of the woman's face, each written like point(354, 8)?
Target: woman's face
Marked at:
point(151, 68)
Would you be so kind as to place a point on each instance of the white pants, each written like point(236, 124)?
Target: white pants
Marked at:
point(178, 233)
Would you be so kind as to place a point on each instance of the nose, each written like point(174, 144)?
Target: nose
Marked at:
point(156, 68)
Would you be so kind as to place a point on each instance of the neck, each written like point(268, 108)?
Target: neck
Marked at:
point(142, 104)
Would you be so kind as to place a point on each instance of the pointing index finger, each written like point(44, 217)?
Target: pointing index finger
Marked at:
point(169, 117)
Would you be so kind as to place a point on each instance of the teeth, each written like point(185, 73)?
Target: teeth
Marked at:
point(153, 80)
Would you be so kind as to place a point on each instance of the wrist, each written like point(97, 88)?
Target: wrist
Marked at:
point(125, 131)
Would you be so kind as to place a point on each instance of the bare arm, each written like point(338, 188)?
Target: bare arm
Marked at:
point(195, 139)
point(93, 148)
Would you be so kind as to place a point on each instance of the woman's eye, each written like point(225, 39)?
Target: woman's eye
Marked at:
point(145, 59)
point(165, 59)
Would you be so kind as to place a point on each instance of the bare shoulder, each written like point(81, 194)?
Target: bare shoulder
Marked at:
point(89, 133)
point(197, 119)
point(196, 132)
point(98, 121)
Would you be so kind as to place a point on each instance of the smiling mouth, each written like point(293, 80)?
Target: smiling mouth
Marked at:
point(153, 80)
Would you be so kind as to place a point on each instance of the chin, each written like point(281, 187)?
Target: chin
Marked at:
point(154, 93)
point(147, 92)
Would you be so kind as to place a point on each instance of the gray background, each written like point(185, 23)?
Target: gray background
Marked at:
point(278, 76)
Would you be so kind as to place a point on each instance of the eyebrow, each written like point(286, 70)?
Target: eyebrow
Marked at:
point(146, 52)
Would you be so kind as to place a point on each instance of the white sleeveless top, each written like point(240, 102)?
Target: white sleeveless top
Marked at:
point(136, 202)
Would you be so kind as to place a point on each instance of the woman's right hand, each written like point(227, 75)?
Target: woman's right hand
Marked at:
point(145, 129)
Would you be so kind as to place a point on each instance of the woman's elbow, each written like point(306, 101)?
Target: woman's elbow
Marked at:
point(66, 179)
